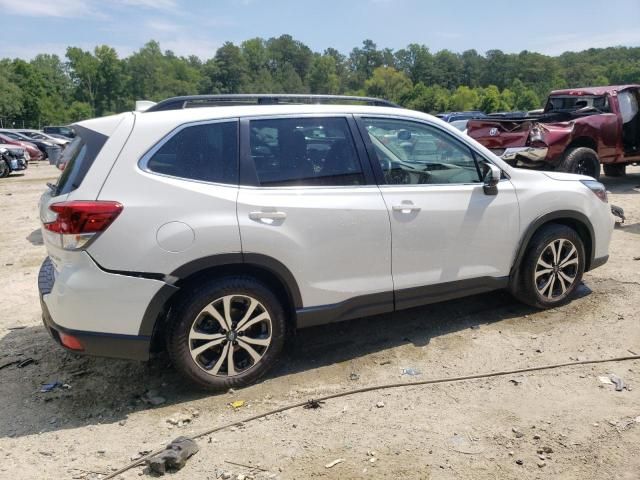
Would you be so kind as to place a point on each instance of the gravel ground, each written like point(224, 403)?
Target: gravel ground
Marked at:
point(560, 423)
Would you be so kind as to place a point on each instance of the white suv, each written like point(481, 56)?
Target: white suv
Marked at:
point(217, 231)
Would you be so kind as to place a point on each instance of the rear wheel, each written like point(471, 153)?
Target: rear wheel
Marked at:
point(581, 160)
point(552, 267)
point(226, 333)
point(614, 170)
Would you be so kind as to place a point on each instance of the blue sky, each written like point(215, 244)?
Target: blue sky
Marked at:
point(200, 26)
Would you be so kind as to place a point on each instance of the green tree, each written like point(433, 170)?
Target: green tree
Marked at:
point(322, 75)
point(387, 82)
point(464, 98)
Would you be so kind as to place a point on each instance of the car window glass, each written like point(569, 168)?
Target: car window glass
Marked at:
point(415, 153)
point(207, 152)
point(304, 151)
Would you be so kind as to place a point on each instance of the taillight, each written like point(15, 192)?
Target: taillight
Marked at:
point(78, 222)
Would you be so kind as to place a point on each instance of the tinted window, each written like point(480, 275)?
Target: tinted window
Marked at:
point(206, 152)
point(305, 151)
point(78, 157)
point(415, 153)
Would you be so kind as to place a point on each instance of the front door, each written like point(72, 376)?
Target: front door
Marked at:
point(449, 238)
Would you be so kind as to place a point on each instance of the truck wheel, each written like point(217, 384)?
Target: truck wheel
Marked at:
point(552, 267)
point(614, 170)
point(5, 170)
point(581, 160)
point(226, 333)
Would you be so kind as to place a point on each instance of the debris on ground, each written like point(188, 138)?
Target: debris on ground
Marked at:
point(517, 432)
point(380, 405)
point(618, 212)
point(19, 327)
point(151, 397)
point(617, 381)
point(517, 380)
point(605, 380)
point(237, 404)
point(411, 371)
point(334, 463)
point(49, 387)
point(313, 404)
point(25, 362)
point(174, 456)
point(8, 364)
point(354, 376)
point(179, 419)
point(613, 379)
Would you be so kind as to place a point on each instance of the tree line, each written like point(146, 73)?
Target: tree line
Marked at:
point(51, 90)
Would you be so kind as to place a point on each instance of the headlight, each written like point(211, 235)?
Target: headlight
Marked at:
point(597, 188)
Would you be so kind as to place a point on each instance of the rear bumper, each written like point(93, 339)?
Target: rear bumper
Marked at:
point(103, 344)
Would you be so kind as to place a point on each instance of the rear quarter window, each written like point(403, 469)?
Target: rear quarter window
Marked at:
point(78, 158)
point(206, 152)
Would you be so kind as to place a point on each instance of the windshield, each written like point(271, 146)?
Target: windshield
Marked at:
point(570, 103)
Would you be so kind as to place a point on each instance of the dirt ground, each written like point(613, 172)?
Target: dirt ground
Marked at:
point(480, 429)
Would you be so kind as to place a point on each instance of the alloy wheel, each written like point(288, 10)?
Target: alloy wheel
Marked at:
point(556, 269)
point(230, 335)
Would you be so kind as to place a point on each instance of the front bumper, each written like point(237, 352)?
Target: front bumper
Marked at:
point(133, 347)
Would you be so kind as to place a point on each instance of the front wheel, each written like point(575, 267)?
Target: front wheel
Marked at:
point(552, 268)
point(581, 160)
point(226, 333)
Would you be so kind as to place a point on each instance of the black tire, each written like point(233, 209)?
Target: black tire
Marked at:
point(187, 313)
point(581, 160)
point(528, 286)
point(614, 170)
point(5, 170)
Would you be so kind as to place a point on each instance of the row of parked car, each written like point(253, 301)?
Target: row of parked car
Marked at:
point(20, 146)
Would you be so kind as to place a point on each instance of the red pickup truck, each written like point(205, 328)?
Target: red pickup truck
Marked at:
point(578, 130)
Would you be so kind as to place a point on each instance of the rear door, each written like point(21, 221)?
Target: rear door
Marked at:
point(449, 238)
point(308, 200)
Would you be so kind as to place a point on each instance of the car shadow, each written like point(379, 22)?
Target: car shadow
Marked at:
point(107, 390)
point(629, 184)
point(35, 237)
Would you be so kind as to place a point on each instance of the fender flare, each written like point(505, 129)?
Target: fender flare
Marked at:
point(550, 217)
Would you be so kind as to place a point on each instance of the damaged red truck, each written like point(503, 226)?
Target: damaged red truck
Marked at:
point(579, 130)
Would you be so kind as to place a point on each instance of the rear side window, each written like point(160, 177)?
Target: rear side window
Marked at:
point(304, 151)
point(207, 153)
point(78, 157)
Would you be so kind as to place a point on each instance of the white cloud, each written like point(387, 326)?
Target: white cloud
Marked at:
point(161, 26)
point(575, 42)
point(48, 8)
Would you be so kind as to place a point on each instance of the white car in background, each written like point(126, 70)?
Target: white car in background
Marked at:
point(218, 230)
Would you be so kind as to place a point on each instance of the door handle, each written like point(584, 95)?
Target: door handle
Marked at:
point(267, 215)
point(405, 208)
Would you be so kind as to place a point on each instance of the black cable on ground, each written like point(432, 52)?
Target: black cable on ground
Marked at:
point(372, 388)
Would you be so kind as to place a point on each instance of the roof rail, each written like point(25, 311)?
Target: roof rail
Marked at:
point(191, 101)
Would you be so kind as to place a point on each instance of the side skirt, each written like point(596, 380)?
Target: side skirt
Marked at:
point(385, 302)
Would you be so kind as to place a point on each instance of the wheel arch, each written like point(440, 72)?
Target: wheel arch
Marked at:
point(570, 218)
point(583, 142)
point(264, 268)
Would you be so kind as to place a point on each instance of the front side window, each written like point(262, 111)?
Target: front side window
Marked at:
point(304, 152)
point(207, 153)
point(412, 153)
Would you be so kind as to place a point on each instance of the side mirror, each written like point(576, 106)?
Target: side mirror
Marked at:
point(491, 179)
